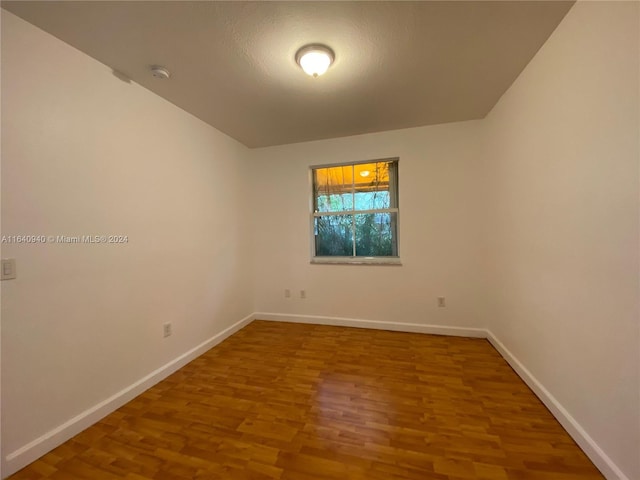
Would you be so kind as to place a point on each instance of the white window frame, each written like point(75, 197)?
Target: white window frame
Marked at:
point(352, 260)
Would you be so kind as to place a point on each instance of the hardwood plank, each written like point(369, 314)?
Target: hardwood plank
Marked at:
point(282, 401)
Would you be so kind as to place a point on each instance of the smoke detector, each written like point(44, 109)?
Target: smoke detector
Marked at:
point(160, 72)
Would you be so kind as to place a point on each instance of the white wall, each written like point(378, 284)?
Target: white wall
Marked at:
point(438, 228)
point(562, 185)
point(526, 221)
point(86, 153)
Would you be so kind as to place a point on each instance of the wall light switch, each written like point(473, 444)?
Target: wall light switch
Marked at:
point(166, 329)
point(8, 268)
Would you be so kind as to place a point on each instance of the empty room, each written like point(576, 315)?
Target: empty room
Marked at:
point(320, 240)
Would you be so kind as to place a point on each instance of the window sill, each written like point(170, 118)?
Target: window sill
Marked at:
point(356, 260)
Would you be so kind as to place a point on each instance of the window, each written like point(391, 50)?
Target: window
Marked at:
point(355, 212)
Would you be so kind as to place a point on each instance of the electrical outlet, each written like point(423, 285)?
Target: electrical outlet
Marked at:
point(303, 294)
point(166, 329)
point(287, 293)
point(441, 302)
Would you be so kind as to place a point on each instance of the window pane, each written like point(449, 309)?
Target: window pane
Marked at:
point(372, 185)
point(333, 189)
point(376, 235)
point(371, 200)
point(334, 203)
point(334, 235)
point(350, 190)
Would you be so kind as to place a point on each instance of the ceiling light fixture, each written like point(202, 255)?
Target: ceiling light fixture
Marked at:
point(315, 59)
point(365, 173)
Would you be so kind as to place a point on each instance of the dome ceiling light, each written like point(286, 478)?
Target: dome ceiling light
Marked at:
point(315, 59)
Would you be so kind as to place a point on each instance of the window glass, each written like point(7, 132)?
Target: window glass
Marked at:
point(356, 210)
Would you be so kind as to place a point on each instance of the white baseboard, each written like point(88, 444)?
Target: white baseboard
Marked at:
point(373, 324)
point(608, 468)
point(30, 452)
point(45, 443)
point(601, 460)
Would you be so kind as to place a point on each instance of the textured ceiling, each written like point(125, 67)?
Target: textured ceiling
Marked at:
point(398, 64)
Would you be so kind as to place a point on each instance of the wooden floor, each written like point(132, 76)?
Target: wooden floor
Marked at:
point(303, 402)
